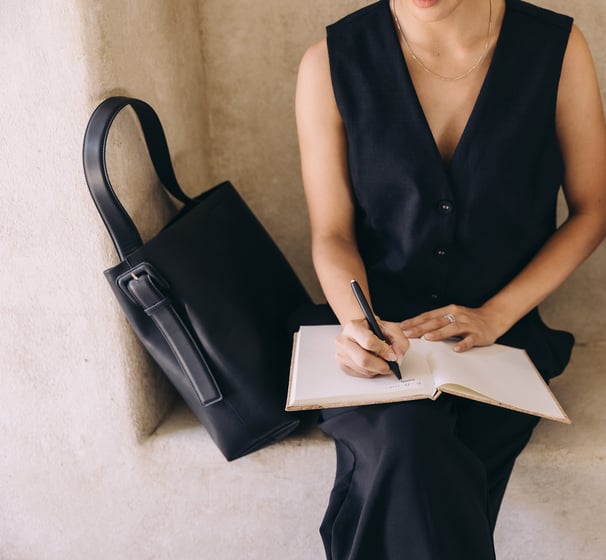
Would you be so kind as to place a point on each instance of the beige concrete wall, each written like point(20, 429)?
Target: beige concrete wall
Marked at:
point(64, 404)
point(150, 50)
point(579, 305)
point(78, 393)
point(78, 477)
point(252, 51)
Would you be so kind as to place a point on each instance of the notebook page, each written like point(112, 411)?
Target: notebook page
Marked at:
point(503, 374)
point(318, 380)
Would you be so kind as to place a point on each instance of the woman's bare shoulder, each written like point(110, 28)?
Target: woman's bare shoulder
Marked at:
point(578, 62)
point(315, 60)
point(579, 89)
point(315, 93)
point(580, 124)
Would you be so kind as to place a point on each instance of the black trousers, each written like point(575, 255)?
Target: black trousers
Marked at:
point(420, 480)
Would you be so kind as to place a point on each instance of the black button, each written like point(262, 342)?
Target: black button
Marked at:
point(445, 207)
point(440, 252)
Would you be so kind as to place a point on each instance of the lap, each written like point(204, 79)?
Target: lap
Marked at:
point(487, 430)
point(405, 480)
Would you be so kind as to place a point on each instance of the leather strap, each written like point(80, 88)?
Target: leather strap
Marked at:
point(121, 228)
point(142, 283)
point(149, 295)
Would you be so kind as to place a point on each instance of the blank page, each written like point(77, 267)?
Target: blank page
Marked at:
point(503, 374)
point(318, 381)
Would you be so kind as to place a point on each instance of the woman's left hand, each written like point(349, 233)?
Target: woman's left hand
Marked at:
point(474, 326)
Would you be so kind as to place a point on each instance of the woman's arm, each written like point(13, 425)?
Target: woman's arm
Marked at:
point(331, 210)
point(581, 132)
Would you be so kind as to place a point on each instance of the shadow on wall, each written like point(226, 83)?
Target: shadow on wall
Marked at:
point(149, 50)
point(150, 395)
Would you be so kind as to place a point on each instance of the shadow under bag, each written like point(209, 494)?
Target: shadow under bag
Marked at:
point(209, 296)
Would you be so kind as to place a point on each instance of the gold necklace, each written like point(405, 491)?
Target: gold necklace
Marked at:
point(429, 70)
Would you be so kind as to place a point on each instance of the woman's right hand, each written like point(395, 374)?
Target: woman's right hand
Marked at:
point(361, 354)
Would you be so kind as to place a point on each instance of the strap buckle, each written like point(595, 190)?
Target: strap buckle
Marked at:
point(135, 273)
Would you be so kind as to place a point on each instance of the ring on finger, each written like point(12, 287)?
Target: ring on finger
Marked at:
point(451, 318)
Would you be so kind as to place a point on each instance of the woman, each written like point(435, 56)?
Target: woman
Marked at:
point(434, 137)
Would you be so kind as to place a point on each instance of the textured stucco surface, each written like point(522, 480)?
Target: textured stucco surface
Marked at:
point(252, 51)
point(579, 303)
point(79, 476)
point(150, 50)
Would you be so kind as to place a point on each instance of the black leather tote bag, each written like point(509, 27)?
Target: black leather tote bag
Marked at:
point(209, 296)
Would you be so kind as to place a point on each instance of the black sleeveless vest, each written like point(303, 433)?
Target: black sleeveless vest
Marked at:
point(431, 234)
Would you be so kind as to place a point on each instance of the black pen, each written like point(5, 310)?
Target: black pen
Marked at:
point(372, 323)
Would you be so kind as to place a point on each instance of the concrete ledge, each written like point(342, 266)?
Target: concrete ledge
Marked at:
point(264, 506)
point(270, 504)
point(175, 497)
point(554, 506)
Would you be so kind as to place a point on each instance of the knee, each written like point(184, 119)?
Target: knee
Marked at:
point(408, 432)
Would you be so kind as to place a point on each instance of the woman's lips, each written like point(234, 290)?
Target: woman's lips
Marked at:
point(425, 3)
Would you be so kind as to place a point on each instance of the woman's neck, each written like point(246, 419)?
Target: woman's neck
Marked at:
point(457, 27)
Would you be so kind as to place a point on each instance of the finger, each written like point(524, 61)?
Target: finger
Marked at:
point(397, 340)
point(354, 373)
point(466, 344)
point(430, 324)
point(433, 315)
point(365, 363)
point(363, 336)
point(417, 320)
point(448, 331)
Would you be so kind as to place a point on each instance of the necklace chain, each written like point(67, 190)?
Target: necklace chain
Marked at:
point(429, 70)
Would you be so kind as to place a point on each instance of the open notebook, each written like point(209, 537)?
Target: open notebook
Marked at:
point(496, 374)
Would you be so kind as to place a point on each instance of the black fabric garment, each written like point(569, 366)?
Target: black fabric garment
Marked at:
point(424, 480)
point(431, 234)
point(420, 480)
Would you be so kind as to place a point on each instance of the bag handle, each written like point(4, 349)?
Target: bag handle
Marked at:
point(139, 283)
point(122, 230)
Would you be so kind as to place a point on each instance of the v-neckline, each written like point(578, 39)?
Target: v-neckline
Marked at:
point(473, 115)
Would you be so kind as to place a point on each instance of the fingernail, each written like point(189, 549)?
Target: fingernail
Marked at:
point(429, 336)
point(407, 332)
point(391, 357)
point(457, 348)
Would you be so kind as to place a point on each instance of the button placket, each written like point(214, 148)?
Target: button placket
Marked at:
point(444, 207)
